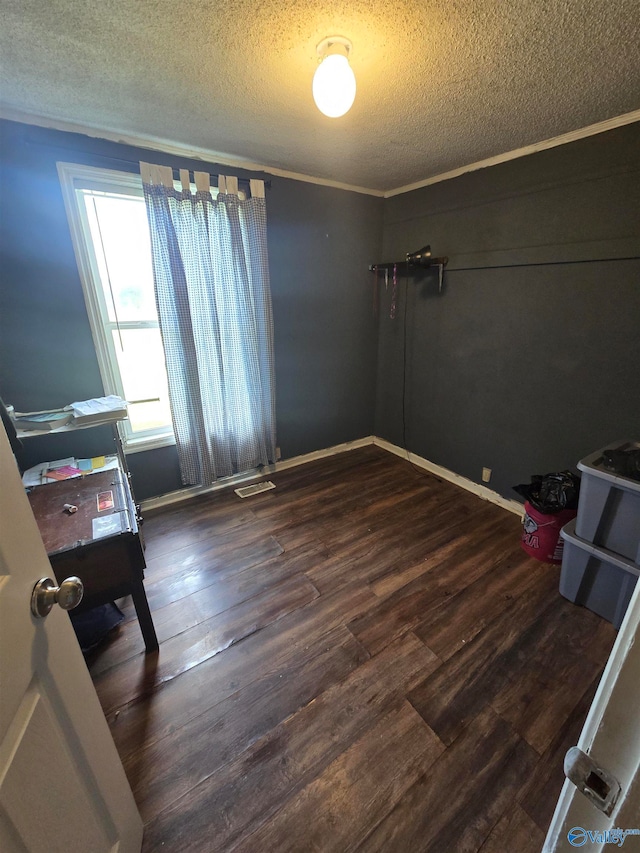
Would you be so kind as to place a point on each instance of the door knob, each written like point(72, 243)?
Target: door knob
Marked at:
point(45, 594)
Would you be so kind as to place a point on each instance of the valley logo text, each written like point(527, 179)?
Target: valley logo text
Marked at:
point(578, 836)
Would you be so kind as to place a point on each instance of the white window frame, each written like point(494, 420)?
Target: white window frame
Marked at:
point(75, 177)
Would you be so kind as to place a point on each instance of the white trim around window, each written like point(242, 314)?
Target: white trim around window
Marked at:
point(74, 179)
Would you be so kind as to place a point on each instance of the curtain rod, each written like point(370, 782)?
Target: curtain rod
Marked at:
point(213, 177)
point(176, 171)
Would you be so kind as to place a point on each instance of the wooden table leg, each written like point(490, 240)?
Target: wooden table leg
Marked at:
point(147, 627)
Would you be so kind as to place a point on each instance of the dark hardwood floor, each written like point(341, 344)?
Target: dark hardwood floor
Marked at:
point(361, 659)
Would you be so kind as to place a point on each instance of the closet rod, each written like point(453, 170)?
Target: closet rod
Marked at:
point(407, 266)
point(403, 266)
point(543, 264)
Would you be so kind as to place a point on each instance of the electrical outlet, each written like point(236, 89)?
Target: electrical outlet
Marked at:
point(278, 454)
point(486, 475)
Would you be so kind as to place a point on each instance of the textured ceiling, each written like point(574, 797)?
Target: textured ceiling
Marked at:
point(440, 84)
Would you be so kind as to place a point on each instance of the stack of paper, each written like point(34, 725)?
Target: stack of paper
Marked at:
point(99, 410)
point(64, 472)
point(65, 469)
point(42, 420)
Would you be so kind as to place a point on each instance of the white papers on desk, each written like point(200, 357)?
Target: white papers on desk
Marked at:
point(106, 525)
point(36, 476)
point(62, 463)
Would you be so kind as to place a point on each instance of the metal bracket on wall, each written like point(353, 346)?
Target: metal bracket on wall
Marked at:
point(414, 262)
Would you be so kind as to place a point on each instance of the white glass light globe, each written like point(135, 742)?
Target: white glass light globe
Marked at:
point(334, 86)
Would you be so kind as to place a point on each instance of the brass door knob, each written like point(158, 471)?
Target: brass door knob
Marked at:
point(45, 594)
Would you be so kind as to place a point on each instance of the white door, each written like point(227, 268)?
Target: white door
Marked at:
point(611, 737)
point(62, 786)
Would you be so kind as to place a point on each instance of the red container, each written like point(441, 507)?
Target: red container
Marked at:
point(541, 533)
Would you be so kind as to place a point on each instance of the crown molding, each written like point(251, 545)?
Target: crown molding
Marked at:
point(544, 145)
point(210, 156)
point(166, 146)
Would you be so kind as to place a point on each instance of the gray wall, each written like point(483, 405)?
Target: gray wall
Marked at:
point(321, 241)
point(523, 369)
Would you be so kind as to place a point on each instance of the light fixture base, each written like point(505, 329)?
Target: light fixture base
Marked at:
point(334, 83)
point(334, 44)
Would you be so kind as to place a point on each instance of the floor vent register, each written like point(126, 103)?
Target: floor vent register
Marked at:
point(254, 489)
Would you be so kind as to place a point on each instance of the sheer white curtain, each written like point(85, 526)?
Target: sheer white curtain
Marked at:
point(211, 279)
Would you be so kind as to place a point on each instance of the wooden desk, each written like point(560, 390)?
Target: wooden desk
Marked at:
point(99, 543)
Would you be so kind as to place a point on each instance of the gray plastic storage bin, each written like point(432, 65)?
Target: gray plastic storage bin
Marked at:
point(609, 506)
point(595, 577)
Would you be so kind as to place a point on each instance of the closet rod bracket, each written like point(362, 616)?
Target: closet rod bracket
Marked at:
point(414, 262)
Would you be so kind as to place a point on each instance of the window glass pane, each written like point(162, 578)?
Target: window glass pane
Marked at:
point(144, 377)
point(144, 416)
point(120, 235)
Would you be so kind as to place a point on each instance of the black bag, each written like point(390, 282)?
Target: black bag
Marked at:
point(551, 493)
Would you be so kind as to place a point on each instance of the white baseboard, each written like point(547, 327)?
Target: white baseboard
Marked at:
point(475, 488)
point(194, 491)
point(283, 464)
point(444, 473)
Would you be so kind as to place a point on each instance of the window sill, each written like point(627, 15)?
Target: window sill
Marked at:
point(142, 444)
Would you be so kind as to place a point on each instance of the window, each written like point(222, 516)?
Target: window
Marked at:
point(110, 234)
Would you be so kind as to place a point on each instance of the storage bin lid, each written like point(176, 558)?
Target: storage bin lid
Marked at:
point(594, 465)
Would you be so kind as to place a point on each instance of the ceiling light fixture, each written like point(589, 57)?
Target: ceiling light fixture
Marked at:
point(334, 83)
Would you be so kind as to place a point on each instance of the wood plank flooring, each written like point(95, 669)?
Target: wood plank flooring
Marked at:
point(361, 659)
